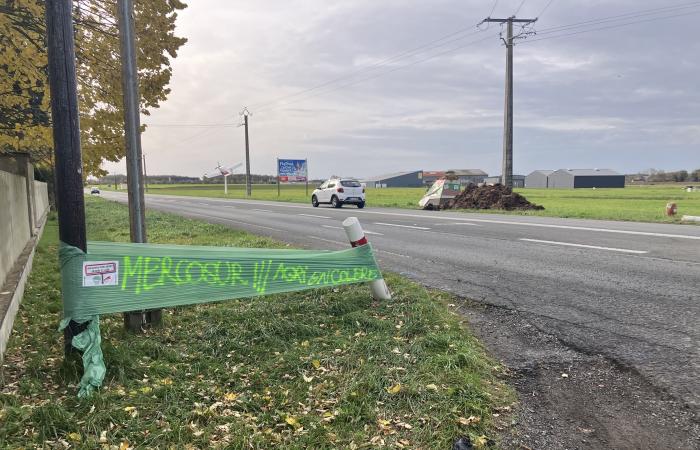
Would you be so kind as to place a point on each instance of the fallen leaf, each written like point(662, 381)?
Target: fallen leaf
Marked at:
point(74, 436)
point(565, 375)
point(230, 397)
point(316, 363)
point(395, 389)
point(291, 420)
point(469, 420)
point(431, 387)
point(308, 379)
point(481, 441)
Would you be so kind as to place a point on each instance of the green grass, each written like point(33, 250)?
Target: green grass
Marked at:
point(635, 203)
point(304, 370)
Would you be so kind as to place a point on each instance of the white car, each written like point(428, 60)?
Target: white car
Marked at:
point(339, 191)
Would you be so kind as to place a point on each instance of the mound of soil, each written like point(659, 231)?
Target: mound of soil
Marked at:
point(491, 197)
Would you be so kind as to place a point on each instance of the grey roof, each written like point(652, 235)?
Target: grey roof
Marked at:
point(543, 172)
point(493, 177)
point(589, 172)
point(467, 172)
point(389, 175)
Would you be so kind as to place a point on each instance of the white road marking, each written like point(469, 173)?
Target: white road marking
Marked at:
point(392, 253)
point(596, 247)
point(460, 223)
point(401, 226)
point(313, 215)
point(340, 228)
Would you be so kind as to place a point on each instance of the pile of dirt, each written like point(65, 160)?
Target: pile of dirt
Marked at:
point(491, 197)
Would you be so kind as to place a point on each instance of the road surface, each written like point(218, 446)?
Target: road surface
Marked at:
point(627, 291)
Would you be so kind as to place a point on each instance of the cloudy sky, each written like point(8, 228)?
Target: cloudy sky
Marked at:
point(620, 97)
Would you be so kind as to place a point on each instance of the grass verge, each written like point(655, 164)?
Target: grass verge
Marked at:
point(633, 203)
point(326, 368)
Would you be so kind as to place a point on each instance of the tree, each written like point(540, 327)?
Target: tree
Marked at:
point(23, 73)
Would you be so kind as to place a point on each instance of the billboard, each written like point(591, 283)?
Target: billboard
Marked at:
point(292, 170)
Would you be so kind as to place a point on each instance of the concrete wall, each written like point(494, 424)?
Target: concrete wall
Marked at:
point(23, 203)
point(14, 220)
point(41, 200)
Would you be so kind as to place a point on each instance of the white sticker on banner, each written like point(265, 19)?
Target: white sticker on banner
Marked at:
point(100, 273)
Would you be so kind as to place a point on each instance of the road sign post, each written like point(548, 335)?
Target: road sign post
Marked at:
point(354, 232)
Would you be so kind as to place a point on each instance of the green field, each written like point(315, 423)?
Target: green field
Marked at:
point(636, 203)
point(327, 368)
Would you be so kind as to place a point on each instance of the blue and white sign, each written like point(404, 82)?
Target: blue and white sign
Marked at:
point(292, 170)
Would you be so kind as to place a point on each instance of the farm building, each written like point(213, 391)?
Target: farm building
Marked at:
point(518, 180)
point(399, 179)
point(586, 178)
point(538, 179)
point(464, 176)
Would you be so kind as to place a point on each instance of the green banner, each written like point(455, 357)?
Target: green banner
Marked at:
point(120, 277)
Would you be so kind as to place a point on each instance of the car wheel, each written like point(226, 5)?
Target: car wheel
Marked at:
point(336, 203)
point(360, 205)
point(314, 201)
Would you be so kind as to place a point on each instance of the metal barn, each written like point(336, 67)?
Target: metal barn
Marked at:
point(538, 179)
point(586, 178)
point(399, 179)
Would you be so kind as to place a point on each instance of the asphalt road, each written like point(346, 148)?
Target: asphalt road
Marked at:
point(627, 291)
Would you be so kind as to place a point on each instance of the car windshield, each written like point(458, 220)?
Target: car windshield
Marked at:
point(350, 183)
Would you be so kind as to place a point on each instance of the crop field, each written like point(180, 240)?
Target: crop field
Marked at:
point(635, 203)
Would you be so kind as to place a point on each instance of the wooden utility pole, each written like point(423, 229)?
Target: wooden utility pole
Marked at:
point(66, 134)
point(245, 113)
point(133, 321)
point(507, 167)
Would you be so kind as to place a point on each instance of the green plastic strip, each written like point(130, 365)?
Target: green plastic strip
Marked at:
point(119, 277)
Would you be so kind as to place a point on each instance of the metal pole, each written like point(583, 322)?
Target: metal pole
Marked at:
point(507, 172)
point(145, 174)
point(247, 156)
point(133, 321)
point(66, 134)
point(137, 219)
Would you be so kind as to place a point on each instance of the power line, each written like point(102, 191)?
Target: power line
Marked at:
point(619, 25)
point(545, 8)
point(398, 57)
point(519, 7)
point(620, 17)
point(435, 55)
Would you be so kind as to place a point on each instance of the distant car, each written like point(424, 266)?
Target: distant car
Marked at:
point(338, 192)
point(94, 191)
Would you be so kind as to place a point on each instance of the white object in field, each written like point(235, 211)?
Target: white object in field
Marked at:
point(691, 219)
point(223, 171)
point(439, 194)
point(356, 235)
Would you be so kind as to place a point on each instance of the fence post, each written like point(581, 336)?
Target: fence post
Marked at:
point(357, 238)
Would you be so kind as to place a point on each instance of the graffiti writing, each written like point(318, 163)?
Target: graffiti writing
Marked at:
point(145, 273)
